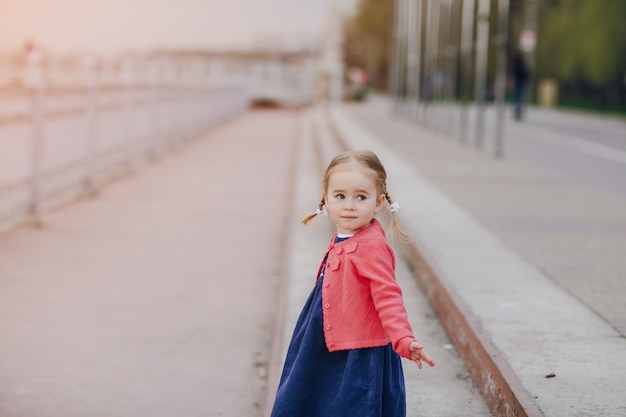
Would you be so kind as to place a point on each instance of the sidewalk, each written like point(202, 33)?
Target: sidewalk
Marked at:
point(443, 391)
point(576, 234)
point(157, 296)
point(527, 257)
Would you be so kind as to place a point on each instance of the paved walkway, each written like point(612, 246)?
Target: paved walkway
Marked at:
point(159, 296)
point(443, 391)
point(535, 262)
point(156, 297)
point(575, 233)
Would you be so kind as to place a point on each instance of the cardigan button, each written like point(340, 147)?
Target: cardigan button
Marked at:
point(327, 305)
point(328, 327)
point(331, 344)
point(326, 285)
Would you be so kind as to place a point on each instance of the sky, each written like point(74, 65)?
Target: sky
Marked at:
point(112, 26)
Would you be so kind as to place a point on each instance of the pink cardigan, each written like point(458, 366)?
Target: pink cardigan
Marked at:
point(361, 300)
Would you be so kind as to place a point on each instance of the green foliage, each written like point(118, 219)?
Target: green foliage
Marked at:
point(581, 43)
point(583, 40)
point(366, 39)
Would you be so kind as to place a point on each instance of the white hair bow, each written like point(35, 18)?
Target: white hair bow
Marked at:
point(393, 207)
point(323, 212)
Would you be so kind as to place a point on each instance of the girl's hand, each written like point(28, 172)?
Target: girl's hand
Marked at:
point(418, 354)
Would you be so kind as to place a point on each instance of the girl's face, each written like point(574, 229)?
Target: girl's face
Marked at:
point(352, 199)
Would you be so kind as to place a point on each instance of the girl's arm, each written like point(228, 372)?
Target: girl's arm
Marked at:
point(377, 265)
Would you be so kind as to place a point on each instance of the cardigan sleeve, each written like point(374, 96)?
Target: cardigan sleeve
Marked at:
point(375, 262)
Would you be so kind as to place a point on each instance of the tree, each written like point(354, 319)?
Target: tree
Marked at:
point(366, 39)
point(581, 39)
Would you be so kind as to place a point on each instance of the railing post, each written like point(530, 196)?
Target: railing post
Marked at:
point(89, 68)
point(33, 80)
point(482, 50)
point(503, 30)
point(155, 89)
point(467, 46)
point(413, 55)
point(128, 80)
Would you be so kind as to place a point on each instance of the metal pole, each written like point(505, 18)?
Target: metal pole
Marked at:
point(503, 30)
point(404, 25)
point(178, 103)
point(90, 116)
point(412, 59)
point(428, 58)
point(33, 81)
point(482, 50)
point(37, 93)
point(454, 60)
point(129, 102)
point(436, 69)
point(418, 54)
point(449, 52)
point(467, 46)
point(395, 55)
point(155, 92)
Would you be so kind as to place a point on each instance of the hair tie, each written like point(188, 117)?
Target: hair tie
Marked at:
point(393, 207)
point(323, 212)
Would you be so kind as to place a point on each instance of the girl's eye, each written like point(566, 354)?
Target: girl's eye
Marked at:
point(361, 197)
point(340, 197)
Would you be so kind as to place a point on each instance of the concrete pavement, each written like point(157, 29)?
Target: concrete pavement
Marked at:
point(519, 263)
point(443, 391)
point(574, 232)
point(159, 295)
point(156, 297)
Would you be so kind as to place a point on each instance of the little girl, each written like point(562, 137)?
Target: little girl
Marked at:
point(344, 355)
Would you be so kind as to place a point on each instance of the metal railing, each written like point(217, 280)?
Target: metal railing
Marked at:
point(440, 70)
point(66, 130)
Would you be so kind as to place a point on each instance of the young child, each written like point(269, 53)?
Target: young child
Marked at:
point(344, 355)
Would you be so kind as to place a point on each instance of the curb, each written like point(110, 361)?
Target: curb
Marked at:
point(274, 364)
point(500, 387)
point(494, 377)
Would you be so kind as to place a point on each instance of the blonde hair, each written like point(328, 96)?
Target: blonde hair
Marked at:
point(368, 160)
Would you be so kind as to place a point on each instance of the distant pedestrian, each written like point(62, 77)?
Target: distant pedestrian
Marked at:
point(520, 80)
point(344, 355)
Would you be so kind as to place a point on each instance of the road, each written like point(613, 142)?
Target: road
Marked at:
point(587, 150)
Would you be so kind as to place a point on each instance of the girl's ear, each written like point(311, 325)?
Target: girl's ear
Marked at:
point(379, 203)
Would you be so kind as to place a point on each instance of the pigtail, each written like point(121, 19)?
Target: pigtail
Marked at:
point(396, 230)
point(320, 210)
point(368, 160)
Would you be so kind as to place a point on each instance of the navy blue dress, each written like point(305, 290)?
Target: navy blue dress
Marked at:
point(350, 383)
